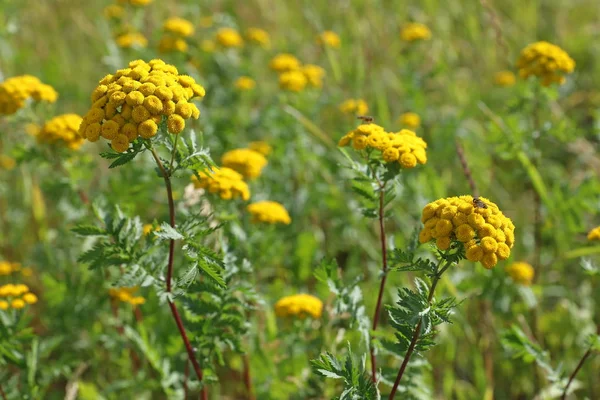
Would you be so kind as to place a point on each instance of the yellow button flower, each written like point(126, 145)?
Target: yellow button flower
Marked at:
point(62, 130)
point(594, 234)
point(225, 182)
point(314, 75)
point(414, 31)
point(244, 83)
point(229, 37)
point(127, 295)
point(329, 39)
point(179, 27)
point(131, 39)
point(258, 36)
point(284, 62)
point(261, 147)
point(354, 107)
point(293, 81)
point(521, 273)
point(269, 212)
point(300, 306)
point(410, 120)
point(504, 78)
point(546, 61)
point(247, 162)
point(15, 91)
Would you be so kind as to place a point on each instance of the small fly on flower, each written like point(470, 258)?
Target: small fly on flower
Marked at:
point(366, 119)
point(478, 203)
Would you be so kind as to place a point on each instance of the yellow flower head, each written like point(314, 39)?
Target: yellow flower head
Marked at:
point(172, 44)
point(114, 11)
point(126, 295)
point(354, 107)
point(17, 296)
point(521, 272)
point(179, 27)
point(245, 83)
point(7, 268)
point(299, 305)
point(229, 37)
point(247, 162)
point(314, 75)
point(261, 147)
point(415, 31)
point(329, 39)
point(258, 36)
point(139, 3)
point(486, 234)
point(63, 130)
point(225, 182)
point(546, 61)
point(293, 81)
point(594, 234)
point(269, 212)
point(284, 62)
point(504, 78)
point(410, 120)
point(15, 91)
point(131, 39)
point(134, 100)
point(7, 162)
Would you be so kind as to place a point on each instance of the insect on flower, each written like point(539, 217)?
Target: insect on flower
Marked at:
point(478, 203)
point(366, 119)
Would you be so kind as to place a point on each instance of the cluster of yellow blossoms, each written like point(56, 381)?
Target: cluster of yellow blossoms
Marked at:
point(546, 61)
point(64, 130)
point(329, 39)
point(504, 78)
point(148, 228)
point(415, 31)
point(16, 296)
point(114, 11)
point(138, 3)
point(229, 37)
point(7, 268)
point(486, 234)
point(410, 120)
point(130, 40)
point(269, 212)
point(299, 305)
point(261, 147)
point(127, 295)
point(354, 107)
point(594, 234)
point(225, 182)
point(405, 146)
point(258, 36)
point(7, 163)
point(247, 162)
point(134, 101)
point(176, 31)
point(521, 273)
point(245, 83)
point(293, 76)
point(15, 91)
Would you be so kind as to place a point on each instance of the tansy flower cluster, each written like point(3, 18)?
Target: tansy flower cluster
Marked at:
point(521, 273)
point(225, 182)
point(299, 305)
point(486, 234)
point(64, 130)
point(405, 146)
point(7, 268)
point(15, 91)
point(354, 107)
point(410, 120)
point(594, 234)
point(16, 296)
point(329, 39)
point(7, 163)
point(176, 30)
point(247, 162)
point(546, 61)
point(261, 147)
point(229, 37)
point(149, 228)
point(269, 212)
point(293, 76)
point(131, 39)
point(504, 78)
point(127, 295)
point(114, 11)
point(135, 100)
point(415, 31)
point(135, 2)
point(258, 36)
point(244, 83)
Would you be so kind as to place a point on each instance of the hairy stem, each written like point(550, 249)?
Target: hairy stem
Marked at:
point(383, 278)
point(413, 342)
point(172, 306)
point(572, 377)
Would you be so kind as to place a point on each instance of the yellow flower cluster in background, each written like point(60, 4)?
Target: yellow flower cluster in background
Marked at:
point(504, 78)
point(329, 39)
point(415, 31)
point(127, 295)
point(225, 182)
point(135, 100)
point(293, 76)
point(486, 234)
point(114, 11)
point(131, 39)
point(244, 83)
point(299, 305)
point(405, 146)
point(354, 107)
point(261, 147)
point(546, 61)
point(229, 37)
point(314, 75)
point(16, 296)
point(521, 273)
point(7, 163)
point(135, 2)
point(15, 91)
point(269, 212)
point(594, 234)
point(148, 228)
point(64, 130)
point(176, 30)
point(179, 27)
point(8, 268)
point(284, 62)
point(258, 36)
point(293, 81)
point(247, 162)
point(410, 120)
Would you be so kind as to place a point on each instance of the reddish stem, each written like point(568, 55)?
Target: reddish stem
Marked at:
point(247, 379)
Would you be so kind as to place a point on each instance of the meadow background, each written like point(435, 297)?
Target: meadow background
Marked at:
point(522, 142)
